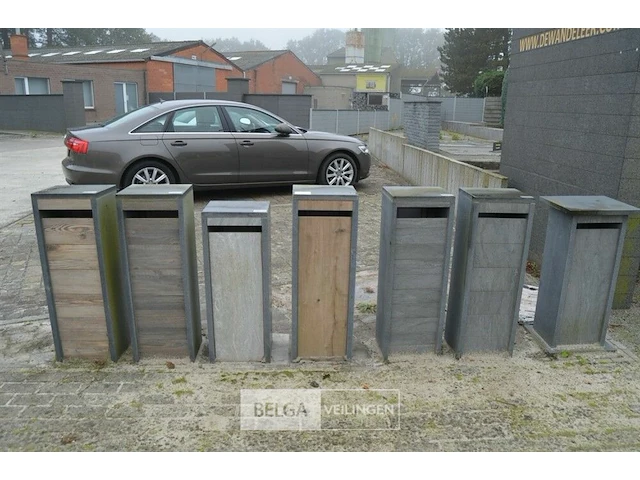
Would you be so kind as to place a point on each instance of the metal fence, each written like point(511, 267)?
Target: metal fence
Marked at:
point(353, 122)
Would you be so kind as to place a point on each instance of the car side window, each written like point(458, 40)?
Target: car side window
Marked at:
point(196, 120)
point(251, 121)
point(157, 125)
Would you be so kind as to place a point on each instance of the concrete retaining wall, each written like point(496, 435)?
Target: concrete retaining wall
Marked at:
point(422, 167)
point(493, 134)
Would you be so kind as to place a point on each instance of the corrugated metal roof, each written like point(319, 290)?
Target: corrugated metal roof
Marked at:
point(251, 59)
point(110, 53)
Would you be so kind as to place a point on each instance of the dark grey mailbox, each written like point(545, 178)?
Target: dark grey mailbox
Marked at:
point(415, 243)
point(325, 221)
point(237, 273)
point(77, 235)
point(580, 262)
point(493, 229)
point(158, 244)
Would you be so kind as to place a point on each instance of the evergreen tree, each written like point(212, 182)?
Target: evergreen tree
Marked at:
point(467, 52)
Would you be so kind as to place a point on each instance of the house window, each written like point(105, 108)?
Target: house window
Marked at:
point(375, 99)
point(126, 97)
point(32, 86)
point(87, 92)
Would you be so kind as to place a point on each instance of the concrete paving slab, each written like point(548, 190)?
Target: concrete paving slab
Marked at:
point(28, 164)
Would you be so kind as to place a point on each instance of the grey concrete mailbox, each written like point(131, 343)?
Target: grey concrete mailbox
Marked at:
point(415, 243)
point(493, 229)
point(157, 239)
point(580, 263)
point(77, 236)
point(325, 221)
point(237, 273)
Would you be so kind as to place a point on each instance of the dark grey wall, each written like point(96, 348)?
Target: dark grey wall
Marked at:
point(296, 109)
point(572, 122)
point(44, 113)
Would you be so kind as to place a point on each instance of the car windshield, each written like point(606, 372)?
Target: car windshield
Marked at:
point(140, 113)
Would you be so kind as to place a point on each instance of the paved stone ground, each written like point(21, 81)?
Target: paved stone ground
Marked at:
point(529, 402)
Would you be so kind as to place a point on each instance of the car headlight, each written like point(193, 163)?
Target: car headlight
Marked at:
point(363, 149)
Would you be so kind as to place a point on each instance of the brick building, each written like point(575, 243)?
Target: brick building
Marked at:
point(274, 71)
point(116, 79)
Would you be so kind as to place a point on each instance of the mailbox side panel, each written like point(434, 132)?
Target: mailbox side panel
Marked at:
point(385, 276)
point(457, 302)
point(109, 254)
point(190, 274)
point(552, 277)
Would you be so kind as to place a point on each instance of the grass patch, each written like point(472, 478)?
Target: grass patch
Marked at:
point(175, 381)
point(183, 392)
point(367, 307)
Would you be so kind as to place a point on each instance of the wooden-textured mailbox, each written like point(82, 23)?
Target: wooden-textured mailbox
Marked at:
point(581, 258)
point(157, 239)
point(76, 228)
point(415, 242)
point(325, 221)
point(237, 272)
point(493, 229)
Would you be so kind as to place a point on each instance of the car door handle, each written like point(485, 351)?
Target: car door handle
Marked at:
point(178, 143)
point(246, 143)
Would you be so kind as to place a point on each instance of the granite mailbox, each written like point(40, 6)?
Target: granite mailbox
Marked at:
point(581, 258)
point(157, 239)
point(415, 243)
point(493, 229)
point(237, 273)
point(76, 228)
point(325, 220)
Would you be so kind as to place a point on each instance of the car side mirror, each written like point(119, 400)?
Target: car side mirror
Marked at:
point(284, 129)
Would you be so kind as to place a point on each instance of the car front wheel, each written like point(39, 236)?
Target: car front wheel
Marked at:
point(338, 169)
point(149, 172)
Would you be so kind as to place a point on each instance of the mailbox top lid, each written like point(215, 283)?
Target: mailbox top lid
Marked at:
point(590, 205)
point(324, 191)
point(170, 190)
point(511, 194)
point(76, 190)
point(236, 207)
point(412, 191)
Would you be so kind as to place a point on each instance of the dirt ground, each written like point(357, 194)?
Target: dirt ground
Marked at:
point(574, 401)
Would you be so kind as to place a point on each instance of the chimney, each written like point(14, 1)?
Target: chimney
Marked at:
point(19, 46)
point(354, 48)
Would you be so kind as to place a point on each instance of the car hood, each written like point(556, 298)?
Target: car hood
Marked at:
point(317, 135)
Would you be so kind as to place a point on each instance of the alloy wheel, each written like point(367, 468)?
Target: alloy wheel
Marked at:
point(340, 172)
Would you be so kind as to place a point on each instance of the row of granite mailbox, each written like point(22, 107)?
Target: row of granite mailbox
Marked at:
point(120, 269)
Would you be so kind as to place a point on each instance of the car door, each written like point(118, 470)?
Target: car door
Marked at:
point(203, 148)
point(264, 155)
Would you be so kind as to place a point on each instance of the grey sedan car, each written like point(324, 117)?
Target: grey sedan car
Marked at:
point(209, 143)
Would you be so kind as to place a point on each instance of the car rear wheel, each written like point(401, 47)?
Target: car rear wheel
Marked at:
point(149, 172)
point(338, 170)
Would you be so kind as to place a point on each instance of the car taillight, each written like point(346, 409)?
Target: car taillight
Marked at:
point(76, 144)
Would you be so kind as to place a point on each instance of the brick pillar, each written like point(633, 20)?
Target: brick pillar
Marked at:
point(73, 99)
point(422, 124)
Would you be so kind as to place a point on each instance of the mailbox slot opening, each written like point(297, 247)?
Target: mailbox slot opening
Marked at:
point(234, 228)
point(66, 213)
point(597, 226)
point(151, 213)
point(325, 213)
point(418, 212)
point(502, 215)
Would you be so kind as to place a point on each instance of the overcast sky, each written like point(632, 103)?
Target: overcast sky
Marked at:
point(273, 38)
